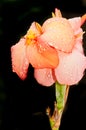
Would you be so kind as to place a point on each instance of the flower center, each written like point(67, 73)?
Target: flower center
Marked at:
point(30, 37)
point(33, 33)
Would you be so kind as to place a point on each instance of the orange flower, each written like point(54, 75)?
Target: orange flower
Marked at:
point(66, 35)
point(30, 51)
point(55, 50)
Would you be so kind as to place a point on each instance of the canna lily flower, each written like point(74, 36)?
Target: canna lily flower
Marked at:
point(55, 50)
point(30, 51)
point(66, 36)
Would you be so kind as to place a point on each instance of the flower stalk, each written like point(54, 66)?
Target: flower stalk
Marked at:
point(61, 93)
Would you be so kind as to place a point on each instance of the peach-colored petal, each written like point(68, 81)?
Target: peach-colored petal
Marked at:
point(58, 33)
point(35, 28)
point(83, 19)
point(79, 46)
point(71, 68)
point(75, 23)
point(20, 62)
point(44, 77)
point(41, 55)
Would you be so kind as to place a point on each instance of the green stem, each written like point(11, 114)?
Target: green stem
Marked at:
point(61, 97)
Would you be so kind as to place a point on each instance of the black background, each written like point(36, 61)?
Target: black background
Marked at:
point(23, 103)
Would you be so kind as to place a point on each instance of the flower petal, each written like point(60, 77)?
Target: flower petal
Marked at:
point(71, 68)
point(83, 19)
point(35, 28)
point(75, 23)
point(44, 77)
point(42, 55)
point(79, 46)
point(58, 33)
point(20, 62)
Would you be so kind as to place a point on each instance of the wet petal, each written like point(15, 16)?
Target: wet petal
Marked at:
point(58, 33)
point(20, 62)
point(75, 23)
point(44, 77)
point(79, 46)
point(71, 68)
point(35, 28)
point(41, 55)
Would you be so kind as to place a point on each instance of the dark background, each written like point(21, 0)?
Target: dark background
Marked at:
point(23, 103)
